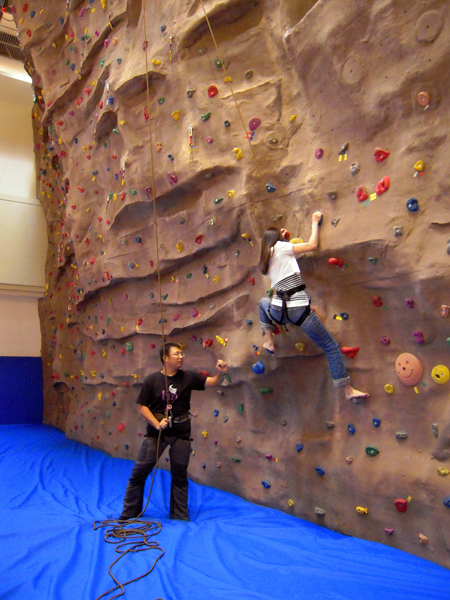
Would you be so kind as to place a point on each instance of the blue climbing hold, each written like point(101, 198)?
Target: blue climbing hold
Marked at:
point(320, 471)
point(258, 368)
point(248, 322)
point(351, 429)
point(270, 188)
point(266, 484)
point(216, 413)
point(376, 422)
point(446, 501)
point(299, 447)
point(412, 205)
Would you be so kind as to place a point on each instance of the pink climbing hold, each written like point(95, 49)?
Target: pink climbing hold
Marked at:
point(318, 153)
point(254, 123)
point(176, 316)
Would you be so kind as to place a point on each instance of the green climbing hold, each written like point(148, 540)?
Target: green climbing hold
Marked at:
point(218, 200)
point(161, 100)
point(164, 297)
point(102, 62)
point(269, 292)
point(188, 275)
point(373, 260)
point(110, 196)
point(108, 321)
point(372, 450)
point(95, 319)
point(108, 414)
point(236, 459)
point(70, 48)
point(129, 346)
point(206, 116)
point(266, 390)
point(218, 63)
point(66, 373)
point(133, 192)
point(115, 130)
point(241, 409)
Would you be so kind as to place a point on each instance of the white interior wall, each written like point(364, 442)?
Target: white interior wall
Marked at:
point(23, 236)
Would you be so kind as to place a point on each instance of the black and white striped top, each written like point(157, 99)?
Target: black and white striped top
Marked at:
point(297, 299)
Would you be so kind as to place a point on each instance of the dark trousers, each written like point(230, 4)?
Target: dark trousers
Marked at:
point(179, 454)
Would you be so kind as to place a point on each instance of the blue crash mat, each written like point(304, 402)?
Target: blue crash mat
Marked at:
point(52, 489)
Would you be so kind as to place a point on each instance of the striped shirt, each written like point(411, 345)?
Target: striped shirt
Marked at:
point(297, 299)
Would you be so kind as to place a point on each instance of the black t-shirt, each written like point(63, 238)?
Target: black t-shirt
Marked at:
point(180, 385)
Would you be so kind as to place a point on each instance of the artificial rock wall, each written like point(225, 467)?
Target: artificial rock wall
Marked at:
point(318, 76)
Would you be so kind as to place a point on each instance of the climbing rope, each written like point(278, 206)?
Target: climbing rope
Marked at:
point(134, 536)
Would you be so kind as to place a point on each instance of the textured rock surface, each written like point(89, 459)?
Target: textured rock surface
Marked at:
point(317, 75)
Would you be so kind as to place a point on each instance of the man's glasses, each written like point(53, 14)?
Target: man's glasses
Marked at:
point(178, 354)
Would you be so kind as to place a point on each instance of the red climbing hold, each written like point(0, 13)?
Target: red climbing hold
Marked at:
point(380, 154)
point(212, 91)
point(383, 186)
point(336, 261)
point(401, 505)
point(121, 427)
point(377, 301)
point(251, 280)
point(361, 193)
point(350, 352)
point(199, 238)
point(173, 178)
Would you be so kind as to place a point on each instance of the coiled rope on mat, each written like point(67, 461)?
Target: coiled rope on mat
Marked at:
point(134, 535)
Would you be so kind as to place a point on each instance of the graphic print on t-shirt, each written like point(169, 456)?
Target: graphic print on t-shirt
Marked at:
point(172, 395)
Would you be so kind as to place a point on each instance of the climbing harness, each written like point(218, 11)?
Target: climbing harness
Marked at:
point(284, 296)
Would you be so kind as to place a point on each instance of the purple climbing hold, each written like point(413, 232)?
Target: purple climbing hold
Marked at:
point(254, 123)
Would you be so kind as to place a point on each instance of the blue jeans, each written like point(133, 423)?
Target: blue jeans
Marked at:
point(315, 330)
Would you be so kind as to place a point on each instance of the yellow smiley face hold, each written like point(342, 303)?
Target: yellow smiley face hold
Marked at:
point(440, 374)
point(409, 369)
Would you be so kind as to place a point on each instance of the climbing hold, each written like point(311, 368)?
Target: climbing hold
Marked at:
point(206, 116)
point(355, 168)
point(218, 63)
point(398, 231)
point(300, 346)
point(320, 471)
point(218, 465)
point(270, 188)
point(254, 123)
point(443, 471)
point(121, 427)
point(361, 193)
point(372, 451)
point(273, 141)
point(216, 413)
point(226, 419)
point(351, 429)
point(248, 322)
point(199, 238)
point(236, 459)
point(212, 91)
point(227, 123)
point(349, 460)
point(412, 205)
point(266, 484)
point(238, 153)
point(388, 388)
point(385, 340)
point(419, 166)
point(423, 539)
point(299, 447)
point(418, 337)
point(176, 316)
point(344, 149)
point(209, 139)
point(376, 422)
point(361, 510)
point(205, 434)
point(266, 390)
point(435, 429)
point(350, 352)
point(283, 422)
point(401, 505)
point(334, 222)
point(218, 200)
point(319, 511)
point(338, 262)
point(423, 98)
point(377, 300)
point(389, 531)
point(318, 153)
point(332, 194)
point(445, 310)
point(330, 424)
point(372, 260)
point(380, 154)
point(401, 435)
point(409, 302)
point(446, 501)
point(290, 503)
point(382, 186)
point(440, 374)
point(248, 74)
point(258, 368)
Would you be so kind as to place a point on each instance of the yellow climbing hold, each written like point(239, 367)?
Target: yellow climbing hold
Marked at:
point(300, 346)
point(93, 373)
point(99, 396)
point(290, 502)
point(361, 510)
point(231, 193)
point(227, 79)
point(222, 342)
point(205, 434)
point(104, 352)
point(176, 115)
point(296, 241)
point(216, 279)
point(388, 388)
point(103, 3)
point(292, 118)
point(443, 471)
point(179, 247)
point(419, 166)
point(156, 62)
point(238, 153)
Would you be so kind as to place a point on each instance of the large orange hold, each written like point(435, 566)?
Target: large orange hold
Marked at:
point(409, 369)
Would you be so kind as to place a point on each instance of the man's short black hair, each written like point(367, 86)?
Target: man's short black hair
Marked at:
point(165, 350)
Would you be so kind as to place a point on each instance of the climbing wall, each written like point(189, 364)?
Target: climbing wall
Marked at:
point(338, 105)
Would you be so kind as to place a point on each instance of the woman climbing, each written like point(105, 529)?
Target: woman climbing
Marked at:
point(291, 304)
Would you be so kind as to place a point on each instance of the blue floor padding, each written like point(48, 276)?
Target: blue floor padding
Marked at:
point(52, 489)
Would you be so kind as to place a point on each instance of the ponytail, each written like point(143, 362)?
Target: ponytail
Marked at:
point(270, 238)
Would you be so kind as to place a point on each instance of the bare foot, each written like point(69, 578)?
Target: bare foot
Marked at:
point(355, 395)
point(269, 347)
